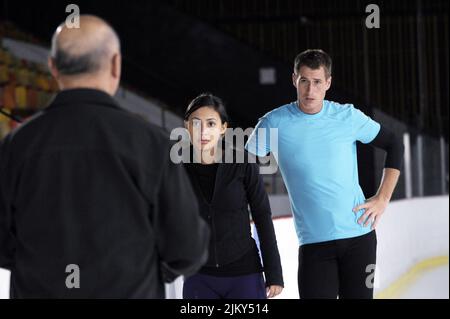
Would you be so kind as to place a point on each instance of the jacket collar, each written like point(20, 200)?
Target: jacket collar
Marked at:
point(83, 96)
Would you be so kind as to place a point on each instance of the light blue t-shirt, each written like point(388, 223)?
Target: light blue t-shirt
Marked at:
point(316, 154)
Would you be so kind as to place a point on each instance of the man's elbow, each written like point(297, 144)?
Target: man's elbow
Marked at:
point(396, 153)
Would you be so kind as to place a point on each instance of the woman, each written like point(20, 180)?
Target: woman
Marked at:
point(224, 191)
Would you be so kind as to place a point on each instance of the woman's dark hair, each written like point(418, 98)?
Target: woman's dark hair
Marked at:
point(209, 100)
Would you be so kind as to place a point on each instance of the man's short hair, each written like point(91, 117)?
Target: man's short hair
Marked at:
point(69, 64)
point(313, 59)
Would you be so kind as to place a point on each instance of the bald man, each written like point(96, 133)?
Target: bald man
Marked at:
point(90, 204)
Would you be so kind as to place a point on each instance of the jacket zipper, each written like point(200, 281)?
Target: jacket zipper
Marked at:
point(214, 234)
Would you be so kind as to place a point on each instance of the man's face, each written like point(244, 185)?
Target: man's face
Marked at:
point(311, 85)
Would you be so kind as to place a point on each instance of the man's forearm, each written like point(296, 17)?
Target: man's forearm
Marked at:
point(388, 183)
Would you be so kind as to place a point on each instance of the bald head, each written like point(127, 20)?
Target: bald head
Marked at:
point(86, 49)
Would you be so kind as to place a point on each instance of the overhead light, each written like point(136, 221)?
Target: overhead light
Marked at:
point(267, 76)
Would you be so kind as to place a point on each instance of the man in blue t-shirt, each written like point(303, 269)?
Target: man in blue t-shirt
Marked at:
point(316, 151)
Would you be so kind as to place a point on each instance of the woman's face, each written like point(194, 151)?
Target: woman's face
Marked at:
point(205, 128)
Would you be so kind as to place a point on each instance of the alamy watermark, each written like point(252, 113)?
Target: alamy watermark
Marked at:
point(373, 19)
point(73, 19)
point(181, 152)
point(73, 279)
point(372, 281)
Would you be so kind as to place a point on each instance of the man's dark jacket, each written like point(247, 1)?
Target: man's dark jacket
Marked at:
point(88, 186)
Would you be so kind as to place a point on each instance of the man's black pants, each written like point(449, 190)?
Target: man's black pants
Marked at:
point(341, 268)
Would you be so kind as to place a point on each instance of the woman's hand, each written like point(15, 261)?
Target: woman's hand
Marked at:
point(273, 291)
